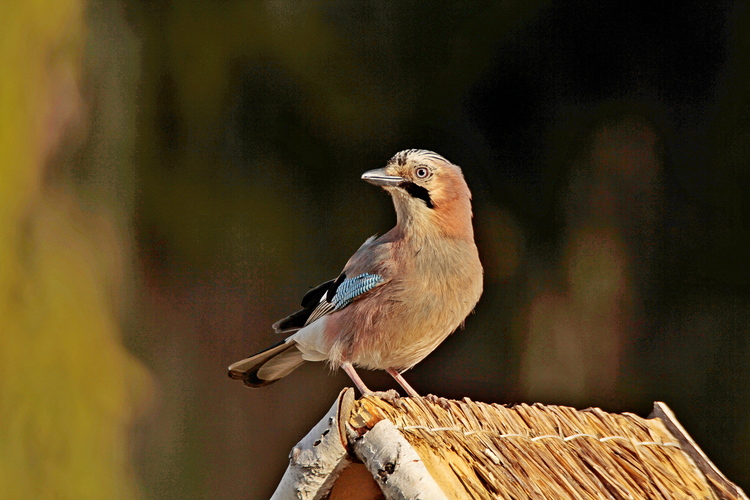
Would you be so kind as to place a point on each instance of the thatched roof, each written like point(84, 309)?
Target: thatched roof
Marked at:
point(438, 448)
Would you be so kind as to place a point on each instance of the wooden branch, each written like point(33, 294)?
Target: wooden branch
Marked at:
point(725, 488)
point(396, 466)
point(317, 460)
point(320, 457)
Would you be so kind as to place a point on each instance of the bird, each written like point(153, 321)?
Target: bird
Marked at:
point(400, 295)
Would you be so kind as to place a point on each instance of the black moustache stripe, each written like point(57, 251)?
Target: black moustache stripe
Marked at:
point(417, 191)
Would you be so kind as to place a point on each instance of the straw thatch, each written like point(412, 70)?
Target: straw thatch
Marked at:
point(437, 448)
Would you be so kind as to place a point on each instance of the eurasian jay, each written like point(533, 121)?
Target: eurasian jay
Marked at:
point(400, 295)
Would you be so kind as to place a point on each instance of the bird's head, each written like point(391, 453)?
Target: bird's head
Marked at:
point(429, 192)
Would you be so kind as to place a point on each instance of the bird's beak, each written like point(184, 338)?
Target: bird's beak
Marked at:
point(380, 178)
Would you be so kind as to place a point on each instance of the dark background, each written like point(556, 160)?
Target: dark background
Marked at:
point(607, 145)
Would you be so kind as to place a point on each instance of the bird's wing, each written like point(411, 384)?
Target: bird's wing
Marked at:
point(329, 297)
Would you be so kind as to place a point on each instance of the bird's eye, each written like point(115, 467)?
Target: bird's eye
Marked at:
point(422, 172)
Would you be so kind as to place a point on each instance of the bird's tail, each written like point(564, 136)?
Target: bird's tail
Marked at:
point(269, 365)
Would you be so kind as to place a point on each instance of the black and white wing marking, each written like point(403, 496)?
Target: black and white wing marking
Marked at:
point(350, 289)
point(329, 297)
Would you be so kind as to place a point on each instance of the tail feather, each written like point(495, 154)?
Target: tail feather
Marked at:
point(281, 365)
point(269, 365)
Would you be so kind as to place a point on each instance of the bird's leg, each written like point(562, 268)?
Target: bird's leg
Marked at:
point(402, 382)
point(387, 395)
point(349, 369)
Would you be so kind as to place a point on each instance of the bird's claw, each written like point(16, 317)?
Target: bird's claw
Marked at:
point(390, 395)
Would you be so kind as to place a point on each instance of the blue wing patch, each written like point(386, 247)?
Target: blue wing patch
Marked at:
point(340, 294)
point(352, 288)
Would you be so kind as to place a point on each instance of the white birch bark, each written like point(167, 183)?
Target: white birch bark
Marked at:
point(316, 461)
point(395, 465)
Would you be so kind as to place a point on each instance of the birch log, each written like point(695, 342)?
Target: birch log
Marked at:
point(395, 465)
point(317, 460)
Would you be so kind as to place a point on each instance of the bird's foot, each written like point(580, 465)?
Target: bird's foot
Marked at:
point(436, 400)
point(390, 395)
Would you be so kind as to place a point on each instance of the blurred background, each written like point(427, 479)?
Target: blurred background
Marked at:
point(174, 175)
